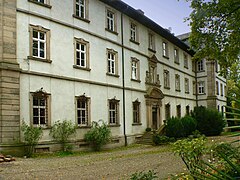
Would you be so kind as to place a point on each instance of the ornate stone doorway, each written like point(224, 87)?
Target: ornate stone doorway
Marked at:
point(154, 98)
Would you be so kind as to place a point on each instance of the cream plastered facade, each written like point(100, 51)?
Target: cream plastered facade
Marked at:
point(63, 82)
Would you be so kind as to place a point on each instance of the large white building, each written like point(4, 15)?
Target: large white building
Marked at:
point(85, 60)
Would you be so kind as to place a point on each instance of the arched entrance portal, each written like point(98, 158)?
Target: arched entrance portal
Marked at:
point(154, 98)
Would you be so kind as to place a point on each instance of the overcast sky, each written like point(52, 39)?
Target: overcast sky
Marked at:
point(167, 13)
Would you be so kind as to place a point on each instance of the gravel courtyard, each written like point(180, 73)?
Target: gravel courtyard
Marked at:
point(107, 165)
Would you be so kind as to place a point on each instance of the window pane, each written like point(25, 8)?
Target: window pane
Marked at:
point(42, 120)
point(35, 120)
point(42, 112)
point(35, 111)
point(42, 36)
point(42, 102)
point(35, 34)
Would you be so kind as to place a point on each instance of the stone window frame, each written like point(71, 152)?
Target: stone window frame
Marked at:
point(177, 83)
point(176, 55)
point(111, 121)
point(165, 49)
point(200, 66)
point(201, 87)
point(87, 56)
point(185, 59)
point(112, 27)
point(186, 83)
point(87, 101)
point(41, 94)
point(151, 42)
point(135, 38)
point(115, 60)
point(167, 111)
point(166, 79)
point(136, 112)
point(136, 68)
point(85, 16)
point(46, 3)
point(47, 43)
point(178, 110)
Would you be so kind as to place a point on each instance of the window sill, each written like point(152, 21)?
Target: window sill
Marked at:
point(177, 90)
point(39, 59)
point(83, 127)
point(201, 93)
point(136, 124)
point(82, 68)
point(136, 80)
point(186, 67)
point(43, 126)
point(166, 57)
point(41, 4)
point(114, 32)
point(135, 42)
point(152, 50)
point(114, 125)
point(165, 87)
point(176, 62)
point(187, 92)
point(201, 71)
point(80, 18)
point(114, 75)
point(153, 84)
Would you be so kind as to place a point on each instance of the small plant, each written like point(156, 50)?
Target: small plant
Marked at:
point(150, 175)
point(98, 135)
point(31, 137)
point(148, 129)
point(61, 131)
point(160, 139)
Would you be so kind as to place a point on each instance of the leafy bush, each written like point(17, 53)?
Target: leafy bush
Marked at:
point(31, 137)
point(209, 121)
point(61, 131)
point(150, 175)
point(98, 135)
point(180, 127)
point(160, 139)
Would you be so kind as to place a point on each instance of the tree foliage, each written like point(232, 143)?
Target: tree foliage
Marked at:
point(215, 32)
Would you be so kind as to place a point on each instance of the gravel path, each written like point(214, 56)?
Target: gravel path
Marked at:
point(108, 165)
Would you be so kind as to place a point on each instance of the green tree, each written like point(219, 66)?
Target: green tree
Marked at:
point(215, 33)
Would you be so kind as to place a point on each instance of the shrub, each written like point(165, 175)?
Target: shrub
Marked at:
point(61, 131)
point(31, 137)
point(180, 127)
point(150, 175)
point(209, 121)
point(160, 139)
point(98, 135)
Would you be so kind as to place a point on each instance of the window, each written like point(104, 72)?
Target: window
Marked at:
point(201, 89)
point(166, 76)
point(200, 65)
point(225, 91)
point(113, 111)
point(217, 88)
point(112, 62)
point(111, 21)
point(216, 66)
point(176, 56)
point(133, 32)
point(40, 108)
point(44, 3)
point(151, 41)
point(165, 49)
point(187, 110)
point(221, 88)
point(167, 111)
point(81, 10)
point(135, 69)
point(136, 112)
point(186, 85)
point(185, 60)
point(178, 111)
point(82, 110)
point(193, 66)
point(177, 82)
point(81, 54)
point(194, 87)
point(39, 43)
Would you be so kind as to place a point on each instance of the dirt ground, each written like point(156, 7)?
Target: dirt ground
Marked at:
point(113, 165)
point(108, 165)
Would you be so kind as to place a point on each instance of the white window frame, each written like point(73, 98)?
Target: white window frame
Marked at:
point(112, 62)
point(176, 55)
point(133, 32)
point(80, 119)
point(113, 112)
point(37, 40)
point(166, 76)
point(185, 57)
point(201, 87)
point(151, 41)
point(177, 82)
point(165, 49)
point(81, 8)
point(200, 66)
point(135, 72)
point(136, 112)
point(110, 16)
point(186, 85)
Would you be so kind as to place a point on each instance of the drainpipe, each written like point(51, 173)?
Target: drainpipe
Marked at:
point(196, 88)
point(123, 84)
